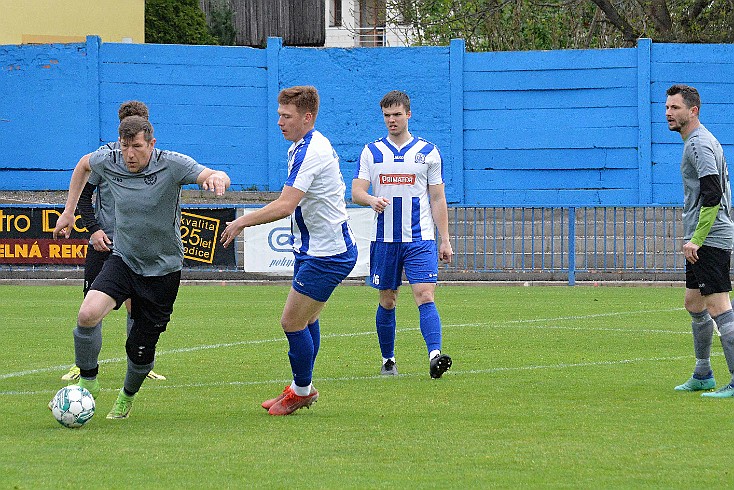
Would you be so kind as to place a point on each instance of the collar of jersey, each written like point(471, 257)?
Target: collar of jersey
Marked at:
point(407, 146)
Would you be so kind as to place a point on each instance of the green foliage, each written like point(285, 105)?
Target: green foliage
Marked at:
point(714, 23)
point(496, 25)
point(176, 22)
point(551, 387)
point(501, 25)
point(221, 24)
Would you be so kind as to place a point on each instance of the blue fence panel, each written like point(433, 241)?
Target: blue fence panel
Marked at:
point(209, 102)
point(44, 114)
point(551, 128)
point(538, 124)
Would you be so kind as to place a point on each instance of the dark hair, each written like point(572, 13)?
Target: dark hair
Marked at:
point(131, 126)
point(689, 94)
point(304, 97)
point(396, 97)
point(133, 108)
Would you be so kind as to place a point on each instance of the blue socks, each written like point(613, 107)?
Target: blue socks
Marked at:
point(430, 323)
point(301, 355)
point(315, 330)
point(385, 321)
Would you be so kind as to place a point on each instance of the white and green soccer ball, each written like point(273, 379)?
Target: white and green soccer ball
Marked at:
point(72, 406)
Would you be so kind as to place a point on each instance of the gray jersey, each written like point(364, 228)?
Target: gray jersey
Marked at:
point(703, 155)
point(104, 203)
point(147, 208)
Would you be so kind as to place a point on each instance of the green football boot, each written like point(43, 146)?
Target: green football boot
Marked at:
point(121, 408)
point(72, 375)
point(91, 385)
point(695, 384)
point(723, 392)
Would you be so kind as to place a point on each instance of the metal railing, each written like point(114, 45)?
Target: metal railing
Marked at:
point(532, 244)
point(622, 242)
point(370, 37)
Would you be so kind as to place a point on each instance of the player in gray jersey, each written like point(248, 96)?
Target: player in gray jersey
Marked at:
point(147, 257)
point(709, 238)
point(99, 220)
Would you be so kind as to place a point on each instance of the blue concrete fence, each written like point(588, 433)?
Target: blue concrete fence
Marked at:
point(550, 128)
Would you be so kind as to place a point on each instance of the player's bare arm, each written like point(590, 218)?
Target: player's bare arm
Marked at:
point(214, 180)
point(440, 213)
point(361, 196)
point(79, 178)
point(281, 208)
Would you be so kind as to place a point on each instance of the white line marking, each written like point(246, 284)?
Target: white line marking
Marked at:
point(508, 323)
point(564, 365)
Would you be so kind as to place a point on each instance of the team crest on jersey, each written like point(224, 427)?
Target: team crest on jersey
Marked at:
point(420, 158)
point(150, 179)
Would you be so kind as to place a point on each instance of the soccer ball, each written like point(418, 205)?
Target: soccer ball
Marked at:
point(72, 406)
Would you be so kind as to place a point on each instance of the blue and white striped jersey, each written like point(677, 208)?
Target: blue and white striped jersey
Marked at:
point(319, 223)
point(402, 175)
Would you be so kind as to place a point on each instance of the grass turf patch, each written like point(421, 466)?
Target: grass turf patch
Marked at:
point(550, 387)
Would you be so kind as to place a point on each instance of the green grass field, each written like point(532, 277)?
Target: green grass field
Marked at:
point(550, 387)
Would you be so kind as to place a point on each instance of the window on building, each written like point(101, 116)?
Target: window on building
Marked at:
point(335, 13)
point(372, 22)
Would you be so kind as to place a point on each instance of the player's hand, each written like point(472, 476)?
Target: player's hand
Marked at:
point(233, 229)
point(379, 204)
point(64, 225)
point(216, 183)
point(100, 241)
point(445, 252)
point(690, 250)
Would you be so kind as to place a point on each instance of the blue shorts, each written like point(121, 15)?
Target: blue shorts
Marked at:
point(317, 277)
point(388, 260)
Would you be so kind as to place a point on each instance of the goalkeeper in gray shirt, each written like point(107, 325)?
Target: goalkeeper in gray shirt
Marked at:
point(147, 258)
point(709, 237)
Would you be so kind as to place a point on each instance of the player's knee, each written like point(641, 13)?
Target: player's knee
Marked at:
point(88, 317)
point(388, 299)
point(289, 325)
point(424, 297)
point(140, 345)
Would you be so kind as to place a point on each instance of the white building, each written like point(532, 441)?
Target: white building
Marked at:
point(362, 23)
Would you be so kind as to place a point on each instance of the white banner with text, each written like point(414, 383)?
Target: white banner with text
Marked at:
point(268, 249)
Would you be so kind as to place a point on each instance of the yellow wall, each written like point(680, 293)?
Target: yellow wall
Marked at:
point(64, 21)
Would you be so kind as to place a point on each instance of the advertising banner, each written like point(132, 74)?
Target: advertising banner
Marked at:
point(26, 237)
point(200, 231)
point(268, 249)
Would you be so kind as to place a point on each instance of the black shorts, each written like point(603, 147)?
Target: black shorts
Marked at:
point(93, 265)
point(152, 297)
point(710, 273)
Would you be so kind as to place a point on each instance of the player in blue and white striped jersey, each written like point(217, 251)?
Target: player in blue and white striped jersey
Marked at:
point(323, 244)
point(406, 176)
